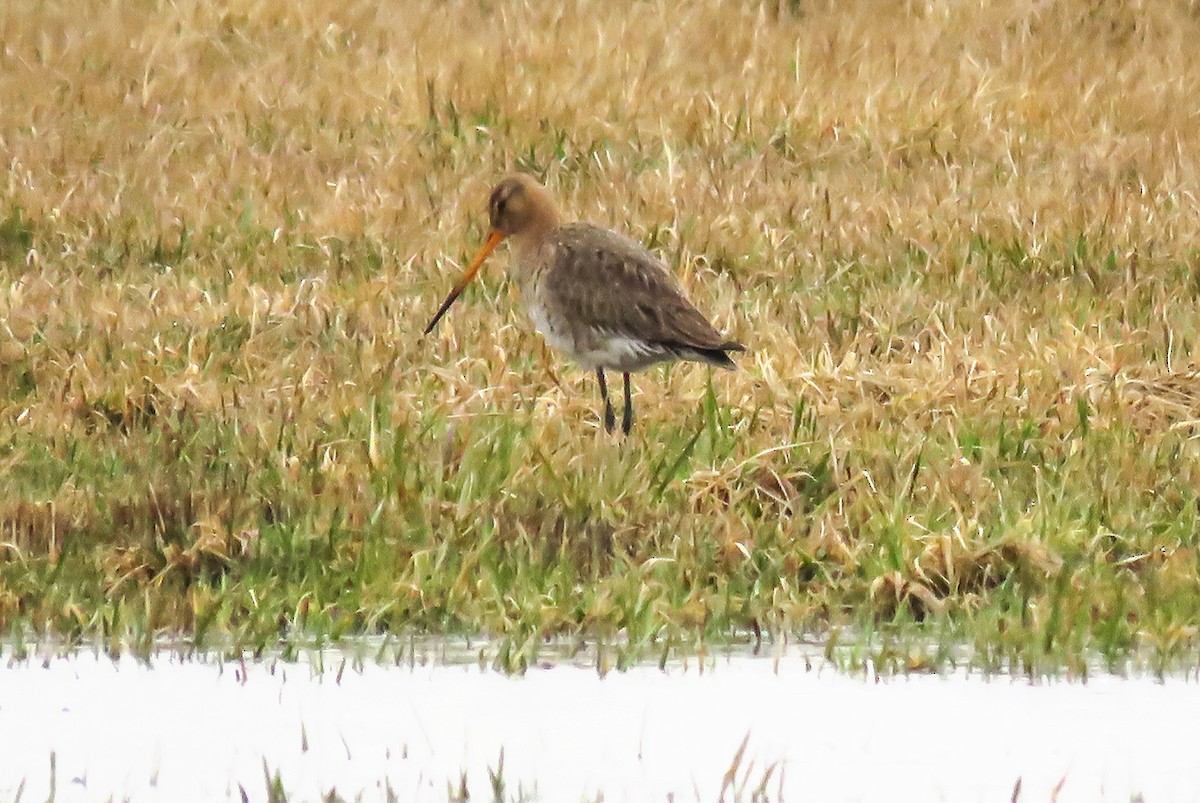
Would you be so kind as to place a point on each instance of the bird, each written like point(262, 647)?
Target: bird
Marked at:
point(593, 293)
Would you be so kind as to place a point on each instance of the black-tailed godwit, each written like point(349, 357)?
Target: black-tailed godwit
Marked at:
point(593, 293)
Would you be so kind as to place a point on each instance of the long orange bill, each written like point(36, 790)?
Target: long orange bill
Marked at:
point(489, 245)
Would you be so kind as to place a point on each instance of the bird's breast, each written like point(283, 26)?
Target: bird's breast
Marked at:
point(553, 328)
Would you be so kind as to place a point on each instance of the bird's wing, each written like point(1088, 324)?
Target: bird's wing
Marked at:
point(610, 282)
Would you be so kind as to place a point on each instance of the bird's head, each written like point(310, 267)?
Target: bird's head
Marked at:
point(518, 206)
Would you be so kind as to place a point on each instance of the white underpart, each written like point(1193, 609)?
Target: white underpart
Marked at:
point(560, 340)
point(618, 352)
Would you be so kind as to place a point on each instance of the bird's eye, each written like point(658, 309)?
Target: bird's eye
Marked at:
point(500, 206)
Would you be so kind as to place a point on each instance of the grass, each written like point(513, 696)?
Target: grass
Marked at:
point(961, 243)
point(459, 792)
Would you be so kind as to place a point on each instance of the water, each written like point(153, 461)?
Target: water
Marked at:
point(194, 730)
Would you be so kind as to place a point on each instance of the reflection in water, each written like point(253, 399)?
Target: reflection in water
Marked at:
point(198, 730)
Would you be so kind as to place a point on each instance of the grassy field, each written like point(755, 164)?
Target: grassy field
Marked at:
point(961, 241)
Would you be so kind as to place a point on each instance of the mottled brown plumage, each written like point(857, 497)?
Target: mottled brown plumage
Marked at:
point(593, 293)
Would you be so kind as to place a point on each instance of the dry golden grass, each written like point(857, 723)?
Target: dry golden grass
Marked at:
point(960, 240)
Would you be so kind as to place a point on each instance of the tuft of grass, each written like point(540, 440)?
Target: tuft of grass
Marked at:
point(960, 244)
point(16, 235)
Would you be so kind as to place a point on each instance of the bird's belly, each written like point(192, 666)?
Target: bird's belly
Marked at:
point(595, 348)
point(621, 353)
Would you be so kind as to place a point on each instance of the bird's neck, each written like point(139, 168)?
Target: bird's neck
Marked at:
point(529, 254)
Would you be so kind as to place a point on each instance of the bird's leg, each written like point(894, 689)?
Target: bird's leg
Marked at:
point(627, 422)
point(610, 418)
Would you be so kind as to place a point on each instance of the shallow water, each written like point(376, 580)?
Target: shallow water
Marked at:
point(196, 730)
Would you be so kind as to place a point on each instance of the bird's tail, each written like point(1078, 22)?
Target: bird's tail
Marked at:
point(718, 356)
